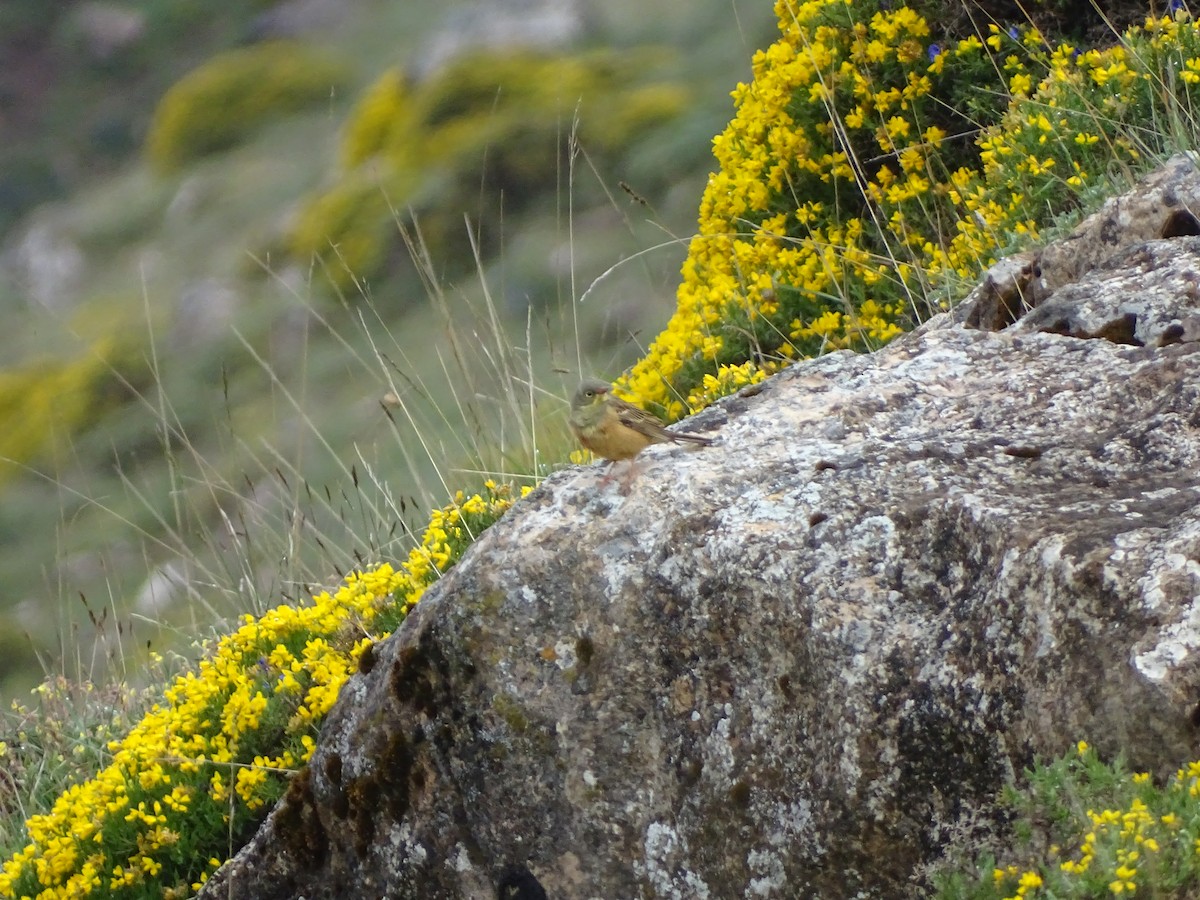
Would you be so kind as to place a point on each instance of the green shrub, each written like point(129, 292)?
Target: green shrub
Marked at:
point(1083, 828)
point(216, 105)
point(346, 226)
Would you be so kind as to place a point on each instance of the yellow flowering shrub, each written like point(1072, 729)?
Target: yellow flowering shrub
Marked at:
point(216, 105)
point(503, 115)
point(873, 166)
point(1085, 114)
point(347, 225)
point(43, 402)
point(728, 380)
point(827, 181)
point(206, 764)
point(378, 121)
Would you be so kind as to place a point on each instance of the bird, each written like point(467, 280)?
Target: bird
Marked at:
point(615, 429)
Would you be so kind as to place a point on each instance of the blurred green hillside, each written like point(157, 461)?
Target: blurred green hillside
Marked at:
point(273, 291)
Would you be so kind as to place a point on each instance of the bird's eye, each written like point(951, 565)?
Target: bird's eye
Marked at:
point(591, 393)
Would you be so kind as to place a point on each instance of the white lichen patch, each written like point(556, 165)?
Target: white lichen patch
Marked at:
point(460, 860)
point(769, 877)
point(564, 654)
point(663, 866)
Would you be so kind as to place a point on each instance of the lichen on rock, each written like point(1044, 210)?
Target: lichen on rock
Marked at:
point(800, 662)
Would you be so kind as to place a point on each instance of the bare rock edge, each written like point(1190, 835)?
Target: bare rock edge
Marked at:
point(803, 661)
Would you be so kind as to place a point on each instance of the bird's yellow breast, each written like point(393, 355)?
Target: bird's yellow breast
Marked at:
point(610, 439)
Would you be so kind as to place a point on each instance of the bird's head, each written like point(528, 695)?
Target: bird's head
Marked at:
point(591, 391)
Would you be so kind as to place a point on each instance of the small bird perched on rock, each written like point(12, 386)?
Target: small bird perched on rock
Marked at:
point(614, 429)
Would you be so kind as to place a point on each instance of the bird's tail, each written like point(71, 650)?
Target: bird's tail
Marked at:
point(700, 439)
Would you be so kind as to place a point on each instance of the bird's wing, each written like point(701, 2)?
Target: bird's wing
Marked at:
point(641, 421)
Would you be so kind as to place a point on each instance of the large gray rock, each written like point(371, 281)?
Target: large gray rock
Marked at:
point(798, 663)
point(44, 262)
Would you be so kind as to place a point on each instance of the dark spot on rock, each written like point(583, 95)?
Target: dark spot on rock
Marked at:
point(1120, 331)
point(1110, 232)
point(816, 519)
point(517, 883)
point(360, 800)
point(1059, 326)
point(1180, 223)
point(419, 779)
point(1024, 452)
point(1172, 334)
point(825, 465)
point(339, 803)
point(689, 771)
point(333, 768)
point(396, 767)
point(585, 649)
point(1194, 718)
point(944, 762)
point(739, 795)
point(366, 661)
point(785, 686)
point(412, 680)
point(299, 826)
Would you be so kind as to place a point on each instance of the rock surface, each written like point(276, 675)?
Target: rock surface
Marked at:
point(1160, 206)
point(800, 662)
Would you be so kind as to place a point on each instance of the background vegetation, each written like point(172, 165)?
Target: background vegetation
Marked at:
point(860, 189)
point(204, 325)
